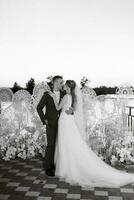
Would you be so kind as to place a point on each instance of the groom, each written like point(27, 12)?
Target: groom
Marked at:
point(50, 119)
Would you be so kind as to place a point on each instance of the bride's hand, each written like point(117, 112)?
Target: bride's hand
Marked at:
point(70, 111)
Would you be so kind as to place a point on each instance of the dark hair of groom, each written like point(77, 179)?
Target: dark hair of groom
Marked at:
point(55, 78)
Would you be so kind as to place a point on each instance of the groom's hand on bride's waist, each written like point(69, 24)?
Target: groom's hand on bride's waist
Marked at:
point(70, 111)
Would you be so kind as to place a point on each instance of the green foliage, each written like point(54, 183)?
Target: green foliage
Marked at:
point(30, 85)
point(16, 87)
point(105, 90)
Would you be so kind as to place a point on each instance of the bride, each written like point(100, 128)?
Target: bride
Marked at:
point(74, 159)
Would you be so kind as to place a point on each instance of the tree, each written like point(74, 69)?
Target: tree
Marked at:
point(30, 85)
point(16, 87)
point(103, 90)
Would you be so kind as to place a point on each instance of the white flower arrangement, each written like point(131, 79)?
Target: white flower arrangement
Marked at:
point(112, 145)
point(50, 78)
point(84, 81)
point(23, 144)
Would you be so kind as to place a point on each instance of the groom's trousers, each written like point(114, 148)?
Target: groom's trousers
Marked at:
point(51, 132)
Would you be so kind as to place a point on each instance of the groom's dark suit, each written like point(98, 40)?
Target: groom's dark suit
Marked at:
point(51, 115)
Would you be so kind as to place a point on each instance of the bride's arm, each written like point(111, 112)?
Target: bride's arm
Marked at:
point(62, 103)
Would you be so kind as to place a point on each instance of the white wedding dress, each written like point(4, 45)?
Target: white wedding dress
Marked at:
point(77, 163)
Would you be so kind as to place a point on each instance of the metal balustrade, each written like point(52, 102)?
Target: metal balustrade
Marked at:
point(130, 118)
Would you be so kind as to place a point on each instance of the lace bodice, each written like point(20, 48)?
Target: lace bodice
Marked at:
point(67, 101)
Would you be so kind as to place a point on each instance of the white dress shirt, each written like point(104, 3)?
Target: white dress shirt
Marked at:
point(57, 93)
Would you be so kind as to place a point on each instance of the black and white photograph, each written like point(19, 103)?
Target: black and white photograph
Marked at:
point(66, 99)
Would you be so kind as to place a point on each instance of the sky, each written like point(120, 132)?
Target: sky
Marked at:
point(73, 38)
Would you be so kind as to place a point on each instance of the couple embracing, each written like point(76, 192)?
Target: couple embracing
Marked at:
point(50, 119)
point(67, 153)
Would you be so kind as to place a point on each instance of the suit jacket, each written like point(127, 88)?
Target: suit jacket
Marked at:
point(51, 114)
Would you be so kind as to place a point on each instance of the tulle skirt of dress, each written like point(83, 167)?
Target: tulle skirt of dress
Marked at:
point(78, 164)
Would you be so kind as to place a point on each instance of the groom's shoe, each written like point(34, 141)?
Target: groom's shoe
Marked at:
point(53, 167)
point(50, 173)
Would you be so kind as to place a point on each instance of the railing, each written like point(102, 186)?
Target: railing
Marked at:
point(130, 118)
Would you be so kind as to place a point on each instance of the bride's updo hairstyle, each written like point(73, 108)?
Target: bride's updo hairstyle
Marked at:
point(72, 84)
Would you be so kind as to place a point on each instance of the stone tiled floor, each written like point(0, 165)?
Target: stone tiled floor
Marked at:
point(26, 180)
